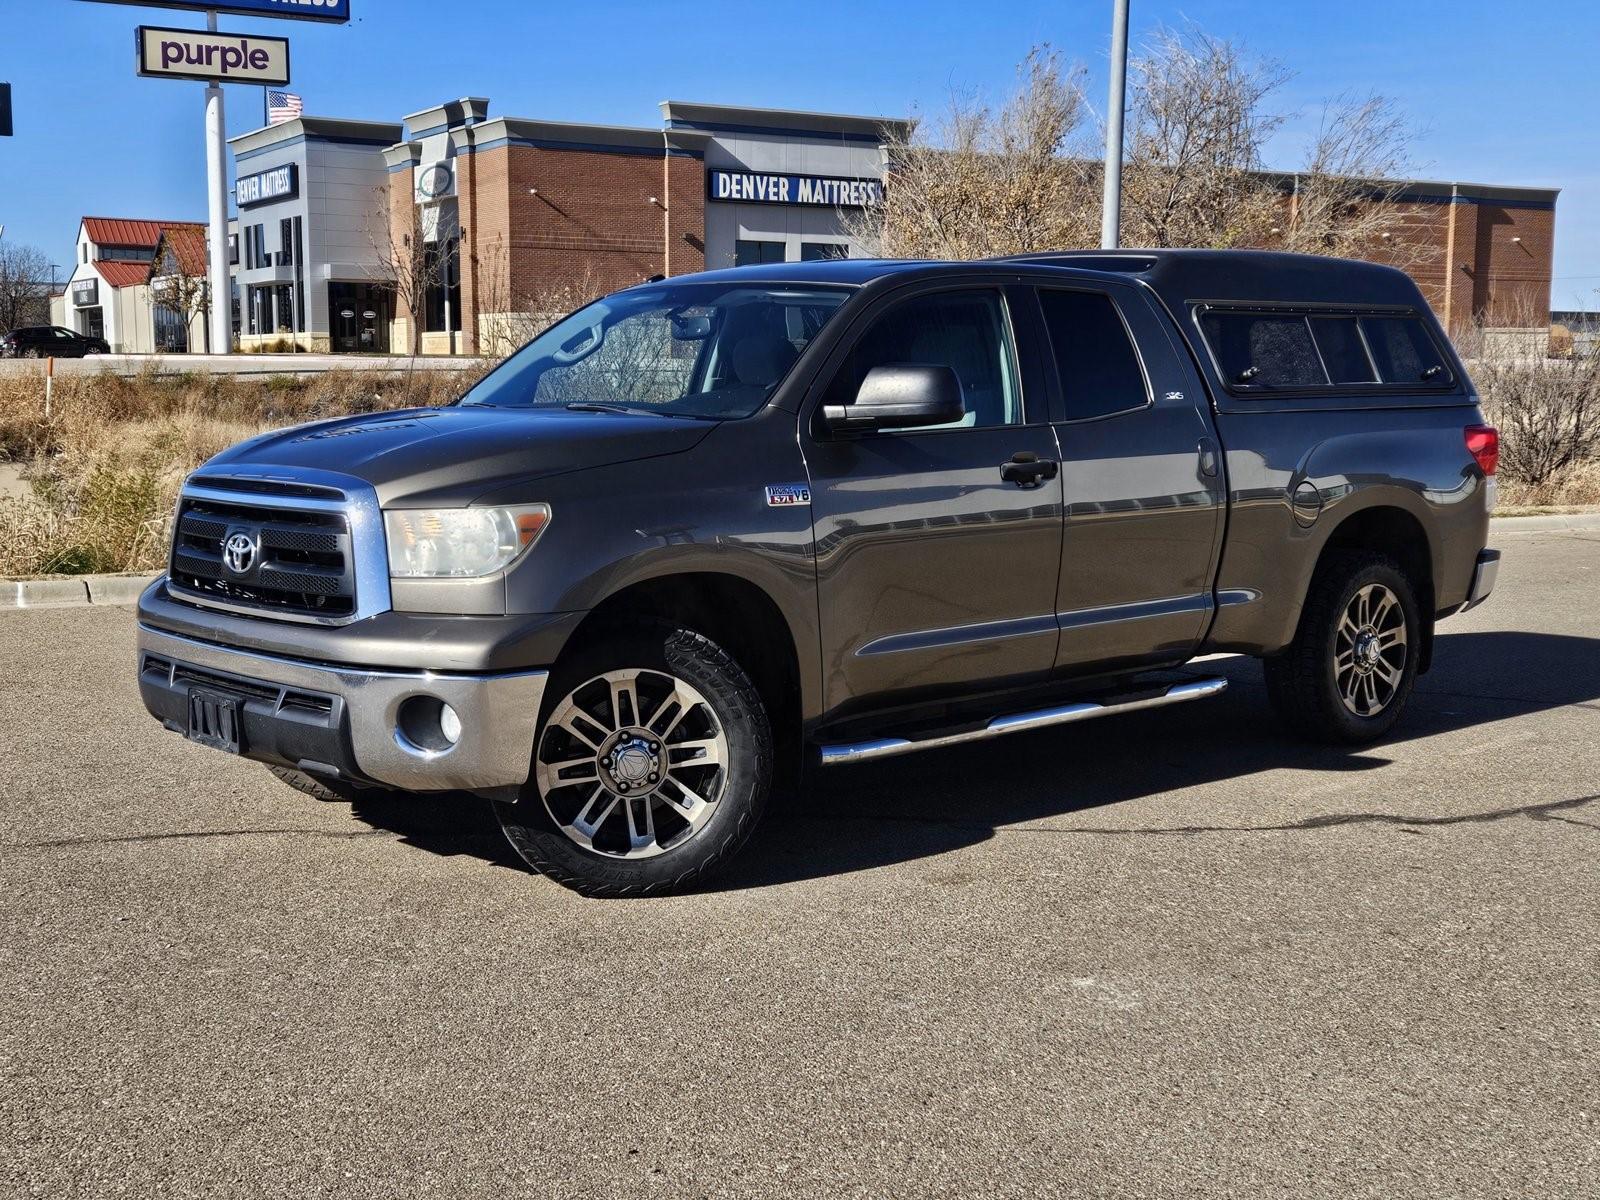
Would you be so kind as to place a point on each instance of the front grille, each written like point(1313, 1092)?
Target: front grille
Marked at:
point(301, 561)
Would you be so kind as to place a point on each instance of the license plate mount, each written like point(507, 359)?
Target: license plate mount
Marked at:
point(214, 721)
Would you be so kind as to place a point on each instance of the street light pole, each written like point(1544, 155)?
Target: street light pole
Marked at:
point(1111, 204)
point(217, 189)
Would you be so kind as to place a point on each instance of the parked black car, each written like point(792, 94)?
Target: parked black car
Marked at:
point(50, 341)
point(711, 526)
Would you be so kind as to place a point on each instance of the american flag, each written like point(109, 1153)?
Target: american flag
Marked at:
point(284, 106)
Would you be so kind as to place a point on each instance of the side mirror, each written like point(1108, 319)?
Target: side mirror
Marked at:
point(900, 396)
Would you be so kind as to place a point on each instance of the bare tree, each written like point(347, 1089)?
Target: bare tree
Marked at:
point(186, 296)
point(1201, 116)
point(407, 263)
point(510, 316)
point(983, 182)
point(1195, 131)
point(1343, 199)
point(24, 286)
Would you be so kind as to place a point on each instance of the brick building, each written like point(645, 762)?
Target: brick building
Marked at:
point(484, 227)
point(521, 216)
point(1482, 254)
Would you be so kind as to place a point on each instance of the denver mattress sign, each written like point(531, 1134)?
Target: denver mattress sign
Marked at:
point(824, 191)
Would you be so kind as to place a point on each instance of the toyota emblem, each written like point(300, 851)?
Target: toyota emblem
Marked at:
point(239, 553)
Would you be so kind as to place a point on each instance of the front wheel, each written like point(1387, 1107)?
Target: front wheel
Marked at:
point(651, 767)
point(1348, 674)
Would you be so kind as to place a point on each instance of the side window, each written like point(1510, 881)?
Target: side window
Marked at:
point(1264, 349)
point(1283, 350)
point(1342, 352)
point(1095, 358)
point(1403, 350)
point(965, 331)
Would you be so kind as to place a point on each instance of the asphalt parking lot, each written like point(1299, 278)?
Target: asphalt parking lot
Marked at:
point(1173, 953)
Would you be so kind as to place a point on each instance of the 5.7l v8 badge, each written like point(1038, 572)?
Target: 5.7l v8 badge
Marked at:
point(786, 495)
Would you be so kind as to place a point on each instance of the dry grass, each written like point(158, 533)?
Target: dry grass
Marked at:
point(1577, 487)
point(106, 466)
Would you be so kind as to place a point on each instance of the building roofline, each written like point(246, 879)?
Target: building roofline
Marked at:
point(325, 129)
point(1441, 189)
point(468, 110)
point(592, 137)
point(738, 117)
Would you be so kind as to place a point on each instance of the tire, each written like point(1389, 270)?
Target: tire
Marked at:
point(652, 766)
point(321, 789)
point(1348, 675)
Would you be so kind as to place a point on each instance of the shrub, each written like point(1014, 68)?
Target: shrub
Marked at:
point(1548, 414)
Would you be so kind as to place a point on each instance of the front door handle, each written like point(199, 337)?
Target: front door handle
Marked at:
point(1028, 470)
point(1210, 460)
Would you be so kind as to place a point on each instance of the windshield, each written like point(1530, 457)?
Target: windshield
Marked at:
point(690, 350)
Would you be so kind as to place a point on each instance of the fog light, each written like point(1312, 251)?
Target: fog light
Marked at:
point(427, 725)
point(449, 724)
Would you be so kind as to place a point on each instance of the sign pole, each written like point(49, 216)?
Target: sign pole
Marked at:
point(217, 189)
point(1111, 204)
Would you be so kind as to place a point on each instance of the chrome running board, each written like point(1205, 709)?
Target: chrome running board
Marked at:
point(853, 752)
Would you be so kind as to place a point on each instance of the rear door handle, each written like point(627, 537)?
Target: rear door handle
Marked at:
point(1028, 470)
point(1209, 458)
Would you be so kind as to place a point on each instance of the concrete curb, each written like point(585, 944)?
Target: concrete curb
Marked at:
point(80, 591)
point(1499, 525)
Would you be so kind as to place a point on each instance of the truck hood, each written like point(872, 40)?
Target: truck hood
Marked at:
point(451, 456)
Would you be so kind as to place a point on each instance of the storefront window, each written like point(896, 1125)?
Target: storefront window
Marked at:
point(748, 253)
point(444, 268)
point(358, 316)
point(285, 309)
point(820, 251)
point(172, 331)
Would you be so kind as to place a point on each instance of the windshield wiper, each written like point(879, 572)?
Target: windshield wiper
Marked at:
point(632, 410)
point(598, 406)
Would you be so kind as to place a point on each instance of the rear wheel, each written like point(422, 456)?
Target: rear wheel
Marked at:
point(1351, 668)
point(652, 766)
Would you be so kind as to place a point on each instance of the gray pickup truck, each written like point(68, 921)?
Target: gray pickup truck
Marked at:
point(711, 529)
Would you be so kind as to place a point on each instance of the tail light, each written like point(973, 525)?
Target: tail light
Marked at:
point(1483, 443)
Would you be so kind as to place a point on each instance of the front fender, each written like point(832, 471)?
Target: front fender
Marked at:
point(700, 512)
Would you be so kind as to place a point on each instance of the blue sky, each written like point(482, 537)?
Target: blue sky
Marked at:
point(1504, 93)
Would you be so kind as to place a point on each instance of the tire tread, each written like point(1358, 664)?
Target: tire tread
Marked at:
point(1296, 678)
point(680, 644)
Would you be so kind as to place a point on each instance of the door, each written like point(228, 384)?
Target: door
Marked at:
point(63, 343)
point(1142, 482)
point(935, 572)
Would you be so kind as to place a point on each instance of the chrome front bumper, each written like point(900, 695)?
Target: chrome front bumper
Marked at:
point(498, 714)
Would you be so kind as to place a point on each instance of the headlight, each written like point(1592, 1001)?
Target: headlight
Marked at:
point(460, 543)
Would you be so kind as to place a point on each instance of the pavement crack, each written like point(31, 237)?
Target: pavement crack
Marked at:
point(1535, 812)
point(190, 835)
point(1548, 811)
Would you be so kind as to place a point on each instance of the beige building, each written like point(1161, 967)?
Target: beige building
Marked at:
point(117, 293)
